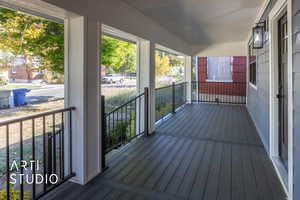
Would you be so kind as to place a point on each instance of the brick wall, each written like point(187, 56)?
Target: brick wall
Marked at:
point(235, 88)
point(20, 73)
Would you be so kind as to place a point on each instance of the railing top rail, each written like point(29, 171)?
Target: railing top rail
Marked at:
point(29, 117)
point(124, 104)
point(219, 82)
point(168, 86)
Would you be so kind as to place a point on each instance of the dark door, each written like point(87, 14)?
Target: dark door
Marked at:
point(283, 89)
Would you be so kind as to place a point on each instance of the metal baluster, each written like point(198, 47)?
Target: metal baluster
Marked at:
point(44, 152)
point(21, 160)
point(130, 128)
point(123, 137)
point(33, 159)
point(126, 118)
point(70, 143)
point(54, 144)
point(108, 135)
point(140, 114)
point(117, 125)
point(173, 98)
point(62, 145)
point(60, 151)
point(103, 132)
point(135, 129)
point(7, 164)
point(113, 130)
point(146, 111)
point(198, 91)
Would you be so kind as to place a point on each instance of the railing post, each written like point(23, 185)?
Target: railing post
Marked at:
point(146, 111)
point(173, 97)
point(103, 132)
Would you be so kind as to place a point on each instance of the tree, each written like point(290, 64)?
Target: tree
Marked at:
point(33, 38)
point(176, 61)
point(41, 42)
point(118, 54)
point(162, 65)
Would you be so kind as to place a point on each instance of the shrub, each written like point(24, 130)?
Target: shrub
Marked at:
point(13, 194)
point(117, 100)
point(3, 81)
point(123, 131)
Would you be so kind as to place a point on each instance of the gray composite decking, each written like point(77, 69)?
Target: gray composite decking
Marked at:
point(204, 152)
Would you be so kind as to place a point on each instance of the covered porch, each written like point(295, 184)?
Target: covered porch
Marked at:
point(206, 137)
point(205, 151)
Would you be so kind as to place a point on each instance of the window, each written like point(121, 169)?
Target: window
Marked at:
point(13, 70)
point(219, 69)
point(253, 73)
point(252, 66)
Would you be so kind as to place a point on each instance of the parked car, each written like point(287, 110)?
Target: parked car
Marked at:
point(113, 78)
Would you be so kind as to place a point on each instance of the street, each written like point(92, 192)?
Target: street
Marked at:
point(46, 93)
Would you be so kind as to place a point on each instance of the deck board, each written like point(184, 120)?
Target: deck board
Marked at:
point(204, 152)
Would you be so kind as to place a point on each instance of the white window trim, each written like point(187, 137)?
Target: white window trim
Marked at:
point(226, 81)
point(13, 70)
point(278, 10)
point(253, 86)
point(229, 80)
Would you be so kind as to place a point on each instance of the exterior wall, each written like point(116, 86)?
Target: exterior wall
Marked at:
point(224, 49)
point(296, 85)
point(19, 73)
point(258, 97)
point(235, 88)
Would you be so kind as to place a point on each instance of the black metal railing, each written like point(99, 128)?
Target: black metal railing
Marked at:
point(168, 99)
point(219, 92)
point(35, 146)
point(124, 123)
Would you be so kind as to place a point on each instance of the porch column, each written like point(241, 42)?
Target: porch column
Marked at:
point(188, 78)
point(82, 82)
point(147, 77)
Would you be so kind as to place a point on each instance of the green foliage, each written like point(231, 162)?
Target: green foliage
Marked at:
point(117, 100)
point(194, 69)
point(119, 55)
point(175, 61)
point(162, 64)
point(32, 37)
point(123, 131)
point(3, 81)
point(162, 109)
point(13, 194)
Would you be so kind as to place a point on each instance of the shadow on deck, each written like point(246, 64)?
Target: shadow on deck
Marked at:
point(205, 152)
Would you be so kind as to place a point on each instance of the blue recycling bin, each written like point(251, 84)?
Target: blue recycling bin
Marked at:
point(20, 97)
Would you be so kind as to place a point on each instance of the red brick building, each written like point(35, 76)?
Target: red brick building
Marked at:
point(234, 87)
point(23, 75)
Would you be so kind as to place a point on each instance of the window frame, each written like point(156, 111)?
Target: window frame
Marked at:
point(221, 80)
point(252, 67)
point(13, 70)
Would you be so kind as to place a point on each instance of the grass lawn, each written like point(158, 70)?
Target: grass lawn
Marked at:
point(114, 98)
point(18, 86)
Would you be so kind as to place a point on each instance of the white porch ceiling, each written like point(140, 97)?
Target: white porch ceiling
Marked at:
point(202, 22)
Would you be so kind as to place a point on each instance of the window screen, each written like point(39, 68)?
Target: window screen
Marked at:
point(219, 68)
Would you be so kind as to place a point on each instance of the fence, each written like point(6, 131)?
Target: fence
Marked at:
point(40, 140)
point(124, 123)
point(219, 92)
point(168, 99)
